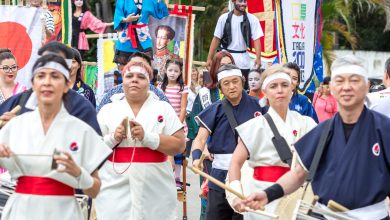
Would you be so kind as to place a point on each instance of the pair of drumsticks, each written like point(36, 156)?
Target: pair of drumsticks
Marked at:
point(228, 188)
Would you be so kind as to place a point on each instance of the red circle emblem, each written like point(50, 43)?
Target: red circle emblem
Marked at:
point(14, 36)
point(257, 114)
point(73, 146)
point(376, 150)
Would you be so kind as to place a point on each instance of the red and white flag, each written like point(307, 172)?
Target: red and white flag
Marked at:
point(21, 32)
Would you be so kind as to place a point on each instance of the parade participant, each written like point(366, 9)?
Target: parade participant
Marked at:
point(164, 35)
point(255, 139)
point(77, 84)
point(353, 169)
point(137, 179)
point(176, 91)
point(28, 143)
point(8, 73)
point(254, 81)
point(380, 101)
point(206, 96)
point(324, 103)
point(116, 93)
point(77, 106)
point(214, 122)
point(131, 20)
point(299, 103)
point(82, 20)
point(234, 32)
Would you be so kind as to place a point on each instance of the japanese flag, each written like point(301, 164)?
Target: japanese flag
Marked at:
point(21, 32)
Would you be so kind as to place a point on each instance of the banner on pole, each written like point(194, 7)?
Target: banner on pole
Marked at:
point(298, 23)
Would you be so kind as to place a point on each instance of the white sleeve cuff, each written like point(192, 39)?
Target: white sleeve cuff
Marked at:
point(151, 140)
point(236, 186)
point(110, 140)
point(85, 180)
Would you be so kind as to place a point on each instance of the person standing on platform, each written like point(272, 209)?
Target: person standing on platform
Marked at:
point(234, 33)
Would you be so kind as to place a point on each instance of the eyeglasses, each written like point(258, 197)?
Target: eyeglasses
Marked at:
point(8, 69)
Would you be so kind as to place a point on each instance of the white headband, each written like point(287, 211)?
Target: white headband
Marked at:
point(349, 69)
point(277, 75)
point(227, 73)
point(138, 69)
point(54, 65)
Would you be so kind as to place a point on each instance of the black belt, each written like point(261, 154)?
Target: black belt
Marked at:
point(235, 51)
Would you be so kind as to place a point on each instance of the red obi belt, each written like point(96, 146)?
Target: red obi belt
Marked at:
point(269, 173)
point(137, 155)
point(42, 186)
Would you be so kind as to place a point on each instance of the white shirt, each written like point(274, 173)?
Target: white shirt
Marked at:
point(191, 98)
point(379, 101)
point(242, 60)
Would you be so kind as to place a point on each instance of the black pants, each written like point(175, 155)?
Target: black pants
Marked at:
point(245, 73)
point(218, 207)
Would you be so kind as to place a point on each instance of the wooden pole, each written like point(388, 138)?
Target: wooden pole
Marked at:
point(14, 111)
point(228, 188)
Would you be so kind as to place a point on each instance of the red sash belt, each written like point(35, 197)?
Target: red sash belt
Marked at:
point(131, 33)
point(270, 173)
point(141, 155)
point(42, 186)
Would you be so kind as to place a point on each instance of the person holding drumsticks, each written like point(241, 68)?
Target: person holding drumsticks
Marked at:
point(255, 139)
point(45, 185)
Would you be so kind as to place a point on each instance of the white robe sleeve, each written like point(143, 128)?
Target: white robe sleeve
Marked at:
point(10, 163)
point(102, 117)
point(95, 151)
point(251, 134)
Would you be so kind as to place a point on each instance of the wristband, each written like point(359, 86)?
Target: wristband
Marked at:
point(151, 140)
point(85, 180)
point(196, 154)
point(236, 186)
point(230, 197)
point(110, 141)
point(274, 192)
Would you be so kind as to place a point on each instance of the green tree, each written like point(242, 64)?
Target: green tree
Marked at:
point(339, 24)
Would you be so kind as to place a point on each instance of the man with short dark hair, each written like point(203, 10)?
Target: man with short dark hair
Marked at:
point(380, 101)
point(214, 122)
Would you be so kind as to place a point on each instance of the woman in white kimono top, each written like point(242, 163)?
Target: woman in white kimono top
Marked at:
point(137, 179)
point(27, 144)
point(255, 139)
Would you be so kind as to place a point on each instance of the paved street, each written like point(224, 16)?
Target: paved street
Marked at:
point(193, 200)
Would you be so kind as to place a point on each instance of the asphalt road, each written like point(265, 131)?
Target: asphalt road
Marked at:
point(193, 200)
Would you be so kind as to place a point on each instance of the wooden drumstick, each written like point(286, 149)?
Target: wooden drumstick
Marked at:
point(201, 159)
point(335, 206)
point(14, 111)
point(124, 123)
point(228, 188)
